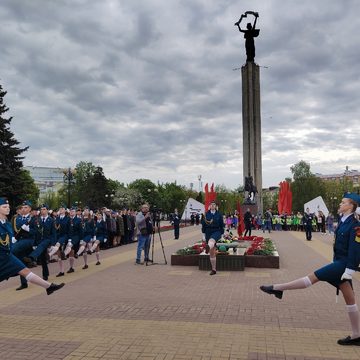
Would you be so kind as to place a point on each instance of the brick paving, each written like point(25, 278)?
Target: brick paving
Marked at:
point(121, 311)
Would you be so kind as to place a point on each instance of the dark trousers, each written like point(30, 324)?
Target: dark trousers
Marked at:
point(176, 231)
point(308, 230)
point(247, 229)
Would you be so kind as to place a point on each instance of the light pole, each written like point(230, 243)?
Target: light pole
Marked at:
point(69, 180)
point(333, 205)
point(200, 184)
point(109, 198)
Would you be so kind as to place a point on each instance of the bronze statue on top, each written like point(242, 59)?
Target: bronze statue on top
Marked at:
point(251, 190)
point(249, 35)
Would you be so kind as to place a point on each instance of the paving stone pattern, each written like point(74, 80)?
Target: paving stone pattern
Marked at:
point(119, 310)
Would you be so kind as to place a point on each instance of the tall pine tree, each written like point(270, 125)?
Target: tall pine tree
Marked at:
point(15, 183)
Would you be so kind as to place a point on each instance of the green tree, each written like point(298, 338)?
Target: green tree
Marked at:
point(306, 186)
point(97, 188)
point(172, 196)
point(15, 183)
point(148, 190)
point(127, 198)
point(84, 171)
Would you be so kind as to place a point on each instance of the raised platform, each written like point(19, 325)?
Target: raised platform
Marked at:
point(231, 262)
point(185, 260)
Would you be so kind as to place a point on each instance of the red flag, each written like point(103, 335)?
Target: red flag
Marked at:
point(207, 197)
point(241, 225)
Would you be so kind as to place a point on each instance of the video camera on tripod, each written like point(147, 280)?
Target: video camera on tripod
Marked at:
point(156, 219)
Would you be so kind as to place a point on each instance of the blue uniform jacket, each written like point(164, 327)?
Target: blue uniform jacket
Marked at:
point(212, 223)
point(62, 226)
point(75, 229)
point(100, 230)
point(6, 234)
point(88, 229)
point(308, 220)
point(44, 231)
point(20, 233)
point(347, 244)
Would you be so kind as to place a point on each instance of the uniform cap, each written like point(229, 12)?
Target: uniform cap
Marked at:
point(27, 203)
point(3, 201)
point(353, 196)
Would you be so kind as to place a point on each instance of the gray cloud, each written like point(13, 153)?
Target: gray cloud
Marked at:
point(146, 88)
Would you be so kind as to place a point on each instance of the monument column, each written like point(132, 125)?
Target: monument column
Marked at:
point(251, 116)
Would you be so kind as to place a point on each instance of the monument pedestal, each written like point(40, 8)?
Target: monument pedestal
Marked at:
point(250, 74)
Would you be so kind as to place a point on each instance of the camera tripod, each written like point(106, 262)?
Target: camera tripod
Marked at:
point(150, 261)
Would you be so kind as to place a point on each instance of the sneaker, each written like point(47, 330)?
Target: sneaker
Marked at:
point(270, 290)
point(53, 287)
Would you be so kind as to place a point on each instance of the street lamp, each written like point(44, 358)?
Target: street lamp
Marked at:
point(333, 204)
point(200, 184)
point(109, 198)
point(69, 180)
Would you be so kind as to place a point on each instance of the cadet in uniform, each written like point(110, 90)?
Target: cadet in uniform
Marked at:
point(62, 226)
point(339, 272)
point(212, 229)
point(308, 223)
point(176, 223)
point(75, 235)
point(100, 237)
point(11, 265)
point(24, 237)
point(88, 235)
point(45, 235)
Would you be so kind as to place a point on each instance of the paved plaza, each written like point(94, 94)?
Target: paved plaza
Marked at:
point(119, 310)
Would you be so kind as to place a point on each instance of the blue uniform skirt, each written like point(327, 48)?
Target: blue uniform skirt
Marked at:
point(216, 235)
point(100, 238)
point(88, 238)
point(10, 266)
point(332, 273)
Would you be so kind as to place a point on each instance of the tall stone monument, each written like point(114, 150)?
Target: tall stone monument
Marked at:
point(250, 75)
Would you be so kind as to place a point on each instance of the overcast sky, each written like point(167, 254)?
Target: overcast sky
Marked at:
point(146, 89)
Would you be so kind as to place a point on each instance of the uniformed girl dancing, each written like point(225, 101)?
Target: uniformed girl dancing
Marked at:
point(212, 229)
point(88, 235)
point(100, 236)
point(11, 265)
point(339, 272)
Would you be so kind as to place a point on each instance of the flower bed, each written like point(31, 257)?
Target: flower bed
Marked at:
point(260, 252)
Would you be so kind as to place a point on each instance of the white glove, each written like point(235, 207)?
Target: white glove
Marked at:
point(26, 227)
point(69, 241)
point(13, 240)
point(203, 237)
point(34, 247)
point(105, 240)
point(347, 275)
point(94, 238)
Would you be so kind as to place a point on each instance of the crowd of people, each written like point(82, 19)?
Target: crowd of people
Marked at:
point(42, 235)
point(272, 221)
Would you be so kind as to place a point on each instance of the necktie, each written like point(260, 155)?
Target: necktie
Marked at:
point(43, 220)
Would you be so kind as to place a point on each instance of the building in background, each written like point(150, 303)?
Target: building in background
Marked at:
point(47, 179)
point(350, 175)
